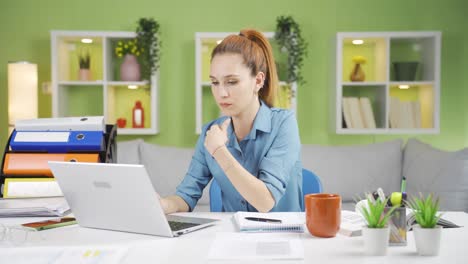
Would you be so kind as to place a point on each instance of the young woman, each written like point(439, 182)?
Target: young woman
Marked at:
point(253, 151)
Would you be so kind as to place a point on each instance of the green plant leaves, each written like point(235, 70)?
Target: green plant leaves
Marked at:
point(147, 35)
point(288, 35)
point(425, 210)
point(376, 214)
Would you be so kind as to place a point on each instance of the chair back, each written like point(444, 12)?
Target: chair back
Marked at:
point(310, 184)
point(216, 204)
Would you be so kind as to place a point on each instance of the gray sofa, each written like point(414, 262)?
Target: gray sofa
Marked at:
point(347, 170)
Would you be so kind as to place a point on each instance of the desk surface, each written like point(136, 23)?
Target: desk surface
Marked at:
point(194, 247)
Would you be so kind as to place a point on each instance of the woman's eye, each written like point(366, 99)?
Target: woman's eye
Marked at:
point(232, 82)
point(214, 83)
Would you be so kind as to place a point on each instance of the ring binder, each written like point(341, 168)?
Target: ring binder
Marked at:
point(107, 153)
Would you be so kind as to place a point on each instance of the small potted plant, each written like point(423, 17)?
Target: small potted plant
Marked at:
point(376, 233)
point(84, 60)
point(426, 232)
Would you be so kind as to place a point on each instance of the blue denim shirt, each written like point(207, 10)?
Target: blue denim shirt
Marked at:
point(270, 152)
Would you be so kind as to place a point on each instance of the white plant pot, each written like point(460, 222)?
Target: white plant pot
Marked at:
point(427, 240)
point(375, 240)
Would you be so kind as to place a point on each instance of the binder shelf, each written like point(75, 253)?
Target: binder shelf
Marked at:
point(27, 163)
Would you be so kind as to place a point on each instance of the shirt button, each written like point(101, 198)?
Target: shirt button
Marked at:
point(243, 202)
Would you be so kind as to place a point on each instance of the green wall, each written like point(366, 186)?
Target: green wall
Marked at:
point(25, 26)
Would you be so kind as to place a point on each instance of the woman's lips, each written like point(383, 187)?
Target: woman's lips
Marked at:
point(224, 105)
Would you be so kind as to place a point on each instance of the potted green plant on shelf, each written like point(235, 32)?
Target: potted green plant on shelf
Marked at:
point(147, 36)
point(376, 233)
point(427, 233)
point(289, 38)
point(84, 60)
point(129, 49)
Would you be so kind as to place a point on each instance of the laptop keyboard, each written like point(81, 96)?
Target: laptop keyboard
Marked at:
point(176, 226)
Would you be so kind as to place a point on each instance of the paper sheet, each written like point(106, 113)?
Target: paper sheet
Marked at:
point(256, 246)
point(69, 255)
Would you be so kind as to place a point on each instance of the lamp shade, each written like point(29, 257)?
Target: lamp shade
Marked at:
point(22, 91)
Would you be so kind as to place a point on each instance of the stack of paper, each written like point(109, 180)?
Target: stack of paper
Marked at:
point(29, 207)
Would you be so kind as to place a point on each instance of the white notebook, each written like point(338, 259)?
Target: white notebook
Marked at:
point(269, 222)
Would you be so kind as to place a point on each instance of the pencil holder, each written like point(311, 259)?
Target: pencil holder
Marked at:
point(397, 224)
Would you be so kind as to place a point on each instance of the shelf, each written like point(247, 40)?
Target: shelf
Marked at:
point(104, 94)
point(363, 83)
point(385, 131)
point(80, 83)
point(404, 99)
point(122, 83)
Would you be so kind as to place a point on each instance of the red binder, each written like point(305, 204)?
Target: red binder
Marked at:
point(17, 164)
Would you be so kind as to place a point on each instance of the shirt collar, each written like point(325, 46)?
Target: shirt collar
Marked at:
point(262, 123)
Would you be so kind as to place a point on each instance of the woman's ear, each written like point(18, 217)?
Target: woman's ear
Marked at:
point(259, 80)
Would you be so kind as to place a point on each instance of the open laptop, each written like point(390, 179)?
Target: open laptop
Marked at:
point(118, 197)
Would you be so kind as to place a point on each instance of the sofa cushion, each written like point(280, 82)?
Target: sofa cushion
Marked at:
point(167, 167)
point(444, 173)
point(353, 170)
point(128, 152)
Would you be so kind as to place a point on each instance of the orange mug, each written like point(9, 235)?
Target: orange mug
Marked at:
point(323, 214)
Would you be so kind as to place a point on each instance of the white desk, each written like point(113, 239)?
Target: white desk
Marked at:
point(194, 247)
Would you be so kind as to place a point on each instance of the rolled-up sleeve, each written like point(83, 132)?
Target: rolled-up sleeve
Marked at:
point(280, 159)
point(197, 177)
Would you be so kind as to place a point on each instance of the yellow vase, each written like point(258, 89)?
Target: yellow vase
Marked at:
point(357, 75)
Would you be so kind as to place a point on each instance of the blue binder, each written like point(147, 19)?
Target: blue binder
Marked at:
point(57, 141)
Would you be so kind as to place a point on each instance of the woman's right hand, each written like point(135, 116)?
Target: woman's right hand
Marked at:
point(216, 136)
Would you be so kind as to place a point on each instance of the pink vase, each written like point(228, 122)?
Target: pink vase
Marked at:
point(130, 69)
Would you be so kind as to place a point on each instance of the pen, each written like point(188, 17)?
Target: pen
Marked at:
point(403, 185)
point(267, 220)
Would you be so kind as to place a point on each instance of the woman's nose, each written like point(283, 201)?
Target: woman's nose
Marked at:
point(222, 91)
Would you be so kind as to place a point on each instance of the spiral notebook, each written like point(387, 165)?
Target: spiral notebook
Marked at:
point(268, 222)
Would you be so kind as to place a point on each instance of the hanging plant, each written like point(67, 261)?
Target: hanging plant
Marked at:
point(288, 36)
point(147, 36)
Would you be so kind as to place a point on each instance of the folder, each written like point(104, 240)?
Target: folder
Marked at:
point(85, 123)
point(57, 141)
point(35, 164)
point(31, 187)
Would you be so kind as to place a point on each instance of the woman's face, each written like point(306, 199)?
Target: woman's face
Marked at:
point(232, 85)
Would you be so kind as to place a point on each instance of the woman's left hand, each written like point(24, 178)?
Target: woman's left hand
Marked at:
point(216, 136)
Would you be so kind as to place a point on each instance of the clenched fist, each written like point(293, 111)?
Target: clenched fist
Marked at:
point(216, 136)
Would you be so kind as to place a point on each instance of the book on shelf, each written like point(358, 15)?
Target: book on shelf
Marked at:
point(356, 115)
point(367, 113)
point(405, 114)
point(347, 113)
point(268, 222)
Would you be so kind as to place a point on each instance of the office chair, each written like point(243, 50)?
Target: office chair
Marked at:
point(310, 184)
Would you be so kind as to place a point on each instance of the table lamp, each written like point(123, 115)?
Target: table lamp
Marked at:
point(22, 92)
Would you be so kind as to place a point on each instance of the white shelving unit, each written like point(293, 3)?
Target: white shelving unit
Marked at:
point(402, 101)
point(206, 108)
point(104, 94)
